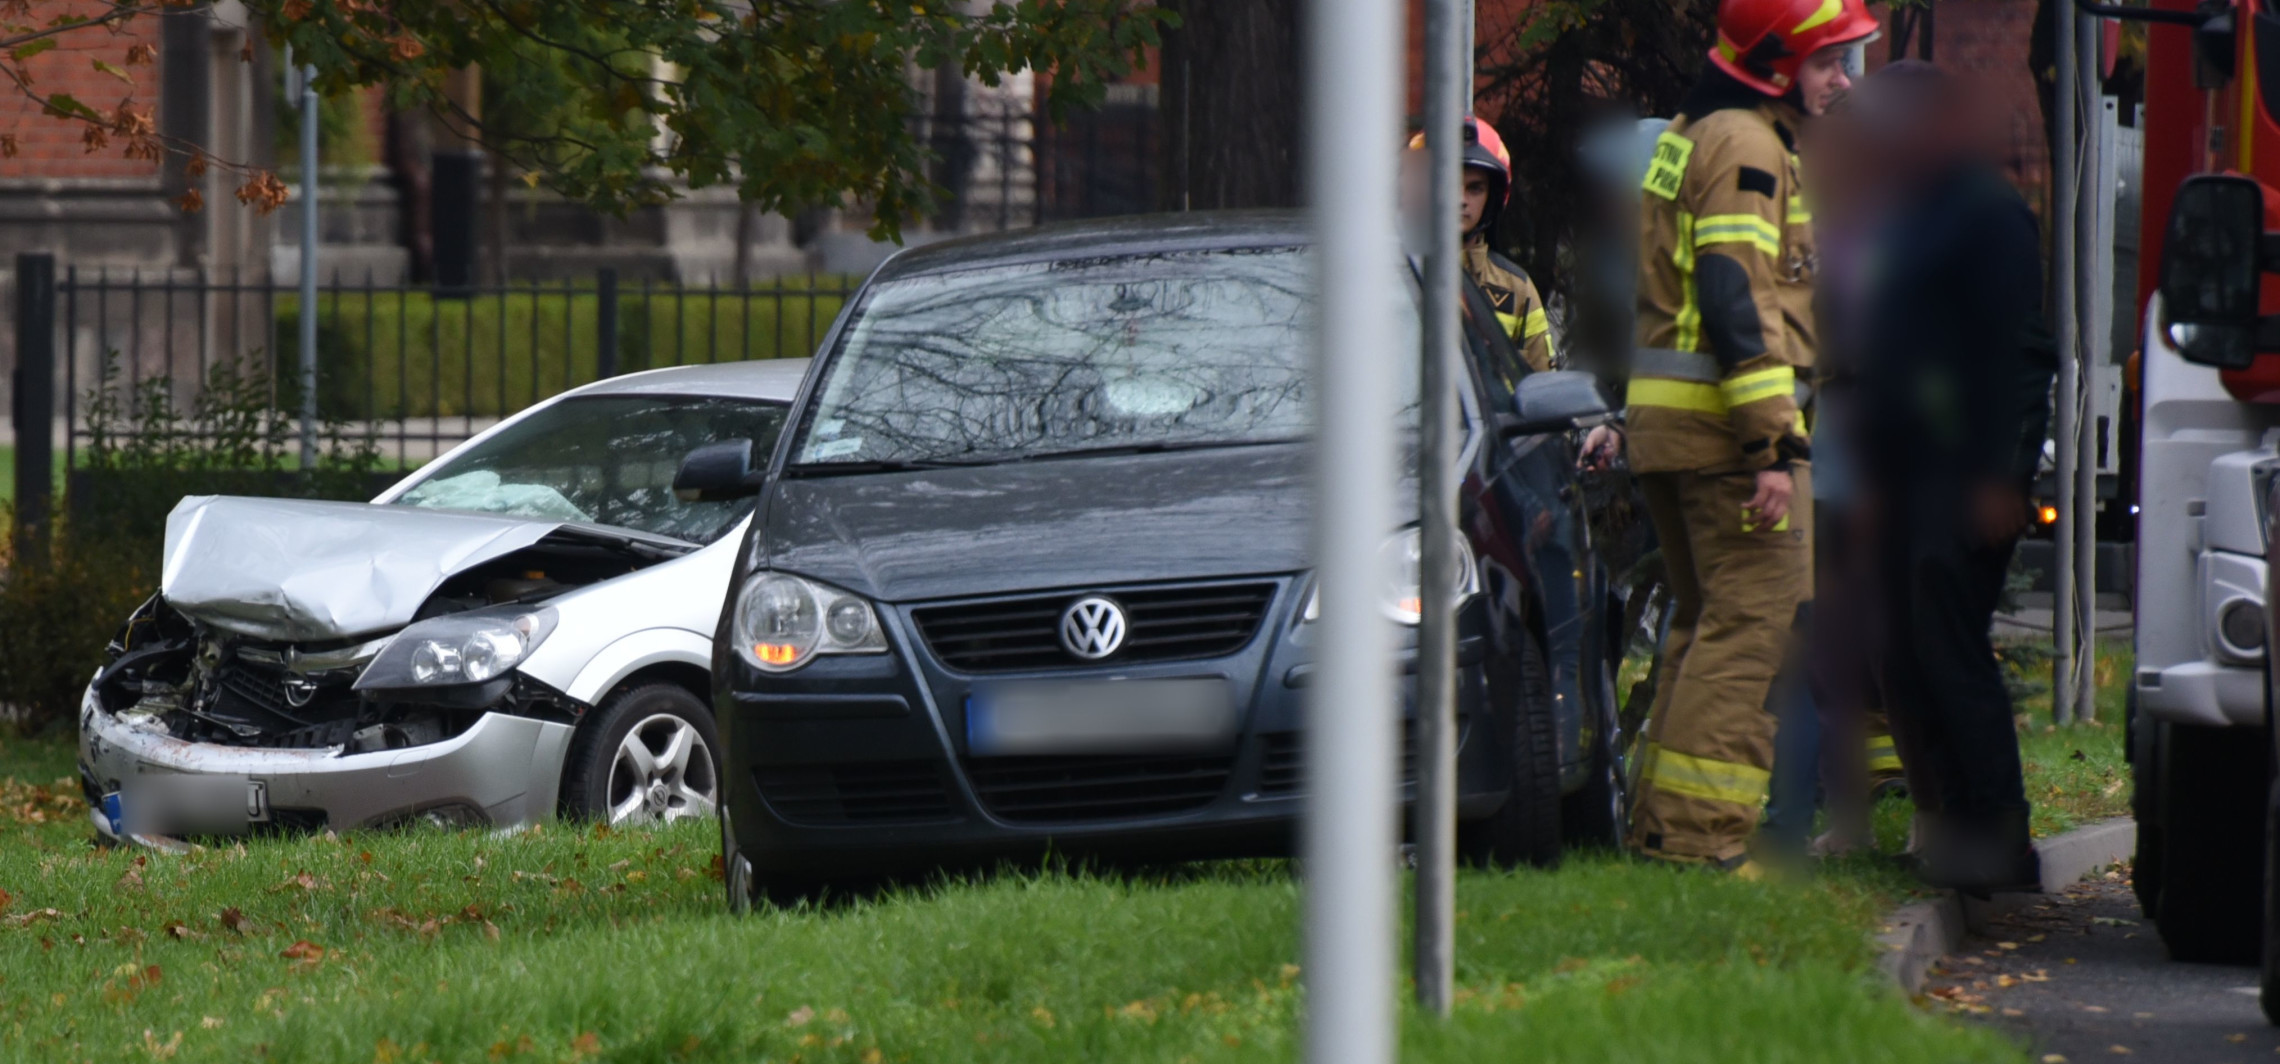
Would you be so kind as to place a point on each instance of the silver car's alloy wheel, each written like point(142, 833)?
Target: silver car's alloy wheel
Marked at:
point(662, 771)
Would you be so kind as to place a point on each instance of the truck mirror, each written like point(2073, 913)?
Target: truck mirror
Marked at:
point(2210, 270)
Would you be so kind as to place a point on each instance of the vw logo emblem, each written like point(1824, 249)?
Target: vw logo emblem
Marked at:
point(1092, 628)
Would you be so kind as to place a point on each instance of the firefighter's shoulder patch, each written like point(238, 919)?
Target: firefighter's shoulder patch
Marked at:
point(1752, 179)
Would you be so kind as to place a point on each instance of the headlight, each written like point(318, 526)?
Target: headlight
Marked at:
point(782, 621)
point(461, 648)
point(1402, 559)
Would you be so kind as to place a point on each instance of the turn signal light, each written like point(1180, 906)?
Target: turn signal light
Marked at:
point(776, 653)
point(2049, 515)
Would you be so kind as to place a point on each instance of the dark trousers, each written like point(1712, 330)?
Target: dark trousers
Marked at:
point(1942, 686)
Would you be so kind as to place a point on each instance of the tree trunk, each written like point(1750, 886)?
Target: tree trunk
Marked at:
point(1230, 102)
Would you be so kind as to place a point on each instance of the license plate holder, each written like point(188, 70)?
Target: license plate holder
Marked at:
point(1183, 715)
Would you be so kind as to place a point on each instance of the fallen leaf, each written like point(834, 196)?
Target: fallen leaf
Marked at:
point(800, 1017)
point(2113, 921)
point(2119, 1050)
point(5, 898)
point(2005, 981)
point(2093, 1008)
point(2014, 1012)
point(2053, 1058)
point(586, 1044)
point(2006, 945)
point(234, 920)
point(304, 950)
point(870, 1056)
point(2236, 1039)
point(210, 1022)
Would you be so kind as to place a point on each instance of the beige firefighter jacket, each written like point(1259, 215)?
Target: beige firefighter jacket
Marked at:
point(1519, 309)
point(1725, 323)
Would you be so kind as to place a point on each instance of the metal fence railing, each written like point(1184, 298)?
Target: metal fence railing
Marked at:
point(404, 369)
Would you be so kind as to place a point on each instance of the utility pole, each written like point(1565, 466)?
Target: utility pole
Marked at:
point(1448, 91)
point(2093, 220)
point(1353, 93)
point(2067, 397)
point(308, 315)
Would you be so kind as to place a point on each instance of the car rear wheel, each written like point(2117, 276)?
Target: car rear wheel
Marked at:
point(647, 756)
point(2214, 789)
point(1526, 828)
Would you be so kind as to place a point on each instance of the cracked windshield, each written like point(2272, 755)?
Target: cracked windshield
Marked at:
point(606, 460)
point(1139, 352)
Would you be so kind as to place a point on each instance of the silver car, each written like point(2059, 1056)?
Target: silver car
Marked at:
point(522, 627)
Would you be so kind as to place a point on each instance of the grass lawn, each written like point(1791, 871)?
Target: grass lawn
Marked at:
point(575, 945)
point(8, 474)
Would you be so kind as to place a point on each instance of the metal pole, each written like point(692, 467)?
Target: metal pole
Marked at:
point(34, 395)
point(1446, 103)
point(2091, 214)
point(2067, 396)
point(308, 268)
point(1353, 94)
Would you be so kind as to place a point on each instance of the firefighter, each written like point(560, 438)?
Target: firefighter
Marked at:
point(1487, 188)
point(1715, 429)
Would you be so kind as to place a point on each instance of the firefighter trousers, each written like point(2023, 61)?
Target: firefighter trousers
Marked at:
point(1735, 594)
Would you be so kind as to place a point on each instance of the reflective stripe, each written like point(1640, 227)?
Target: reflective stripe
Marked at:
point(1681, 395)
point(1759, 385)
point(1748, 229)
point(1883, 756)
point(1510, 322)
point(1677, 365)
point(1687, 325)
point(1701, 777)
point(1821, 16)
point(1798, 214)
point(1536, 324)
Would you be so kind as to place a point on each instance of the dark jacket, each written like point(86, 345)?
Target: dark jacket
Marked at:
point(1955, 362)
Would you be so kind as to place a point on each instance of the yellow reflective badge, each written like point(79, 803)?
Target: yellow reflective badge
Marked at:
point(1667, 170)
point(1750, 526)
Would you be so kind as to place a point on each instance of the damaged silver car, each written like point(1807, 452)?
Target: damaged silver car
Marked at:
point(522, 628)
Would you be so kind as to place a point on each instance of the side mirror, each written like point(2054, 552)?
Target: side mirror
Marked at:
point(1556, 401)
point(717, 471)
point(2211, 270)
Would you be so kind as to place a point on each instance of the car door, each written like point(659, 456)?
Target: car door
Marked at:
point(1528, 493)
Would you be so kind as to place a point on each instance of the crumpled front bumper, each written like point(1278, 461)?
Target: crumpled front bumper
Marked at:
point(504, 769)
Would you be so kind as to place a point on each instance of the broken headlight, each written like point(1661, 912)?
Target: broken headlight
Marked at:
point(462, 648)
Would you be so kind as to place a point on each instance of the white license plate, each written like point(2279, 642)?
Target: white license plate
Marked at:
point(190, 804)
point(1101, 717)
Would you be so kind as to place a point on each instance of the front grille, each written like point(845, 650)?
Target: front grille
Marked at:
point(1282, 764)
point(888, 792)
point(1161, 624)
point(1062, 789)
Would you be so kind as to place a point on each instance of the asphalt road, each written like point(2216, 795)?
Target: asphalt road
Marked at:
point(2082, 977)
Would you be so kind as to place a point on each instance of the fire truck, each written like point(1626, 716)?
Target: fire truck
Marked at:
point(2200, 734)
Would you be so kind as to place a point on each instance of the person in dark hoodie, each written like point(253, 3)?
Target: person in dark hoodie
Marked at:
point(1716, 435)
point(1955, 369)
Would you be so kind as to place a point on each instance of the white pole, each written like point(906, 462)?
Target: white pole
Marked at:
point(1448, 81)
point(308, 268)
point(2067, 396)
point(1353, 97)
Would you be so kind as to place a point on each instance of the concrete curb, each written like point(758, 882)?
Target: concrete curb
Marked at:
point(1918, 934)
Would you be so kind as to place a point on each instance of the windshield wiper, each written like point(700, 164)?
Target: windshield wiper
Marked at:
point(1153, 448)
point(881, 465)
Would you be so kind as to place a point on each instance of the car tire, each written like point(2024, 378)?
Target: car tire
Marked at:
point(607, 779)
point(1595, 815)
point(2211, 902)
point(2268, 990)
point(1526, 828)
point(2145, 752)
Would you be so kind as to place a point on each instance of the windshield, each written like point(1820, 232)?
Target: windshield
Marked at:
point(1192, 349)
point(604, 459)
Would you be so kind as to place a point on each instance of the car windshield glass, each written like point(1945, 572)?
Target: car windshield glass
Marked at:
point(1144, 351)
point(604, 459)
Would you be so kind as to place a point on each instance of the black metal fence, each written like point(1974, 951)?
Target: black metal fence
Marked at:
point(412, 369)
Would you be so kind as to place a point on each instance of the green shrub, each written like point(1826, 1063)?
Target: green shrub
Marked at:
point(63, 593)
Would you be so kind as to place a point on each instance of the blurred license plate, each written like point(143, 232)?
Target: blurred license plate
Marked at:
point(1114, 717)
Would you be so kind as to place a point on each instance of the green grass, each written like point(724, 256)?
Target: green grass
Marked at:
point(397, 354)
point(8, 474)
point(562, 944)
